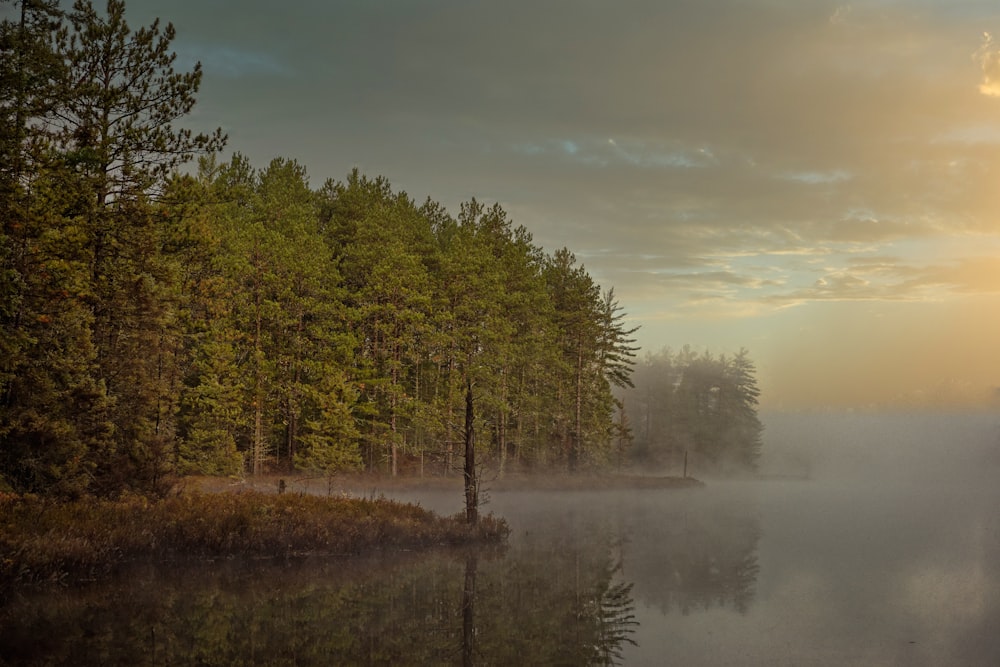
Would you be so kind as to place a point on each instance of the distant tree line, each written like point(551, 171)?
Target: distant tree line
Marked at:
point(699, 407)
point(235, 319)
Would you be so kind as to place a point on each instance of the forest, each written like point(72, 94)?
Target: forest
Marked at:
point(165, 312)
point(685, 403)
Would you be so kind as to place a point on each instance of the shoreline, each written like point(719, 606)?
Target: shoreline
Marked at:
point(43, 541)
point(46, 541)
point(370, 485)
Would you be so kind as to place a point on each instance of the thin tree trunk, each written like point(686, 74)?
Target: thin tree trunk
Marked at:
point(575, 438)
point(449, 456)
point(502, 425)
point(393, 446)
point(258, 419)
point(471, 483)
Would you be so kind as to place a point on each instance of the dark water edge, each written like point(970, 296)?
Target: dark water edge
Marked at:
point(455, 606)
point(748, 573)
point(887, 554)
point(559, 594)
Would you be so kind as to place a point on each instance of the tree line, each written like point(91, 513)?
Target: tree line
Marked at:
point(236, 318)
point(233, 318)
point(685, 407)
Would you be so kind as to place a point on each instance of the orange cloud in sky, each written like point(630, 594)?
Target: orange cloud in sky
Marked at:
point(879, 355)
point(989, 60)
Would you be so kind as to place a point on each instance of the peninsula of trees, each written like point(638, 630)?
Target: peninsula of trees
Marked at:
point(232, 318)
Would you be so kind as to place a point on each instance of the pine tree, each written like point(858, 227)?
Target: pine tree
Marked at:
point(53, 410)
point(309, 354)
point(576, 300)
point(743, 428)
point(115, 127)
point(699, 404)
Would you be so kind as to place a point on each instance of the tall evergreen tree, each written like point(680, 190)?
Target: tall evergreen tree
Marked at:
point(310, 345)
point(115, 128)
point(576, 300)
point(53, 410)
point(209, 396)
point(738, 408)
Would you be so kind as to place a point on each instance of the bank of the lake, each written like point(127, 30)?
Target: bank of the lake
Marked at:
point(48, 541)
point(375, 485)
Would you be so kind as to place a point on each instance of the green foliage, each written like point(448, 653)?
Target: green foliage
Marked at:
point(123, 98)
point(698, 405)
point(90, 333)
point(238, 320)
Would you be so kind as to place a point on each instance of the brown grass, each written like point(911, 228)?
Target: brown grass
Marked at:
point(369, 484)
point(43, 540)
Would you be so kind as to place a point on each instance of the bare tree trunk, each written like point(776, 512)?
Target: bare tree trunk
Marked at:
point(258, 436)
point(471, 483)
point(502, 425)
point(393, 446)
point(575, 438)
point(449, 456)
point(258, 417)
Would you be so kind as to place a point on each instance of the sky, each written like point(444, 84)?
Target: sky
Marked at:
point(816, 182)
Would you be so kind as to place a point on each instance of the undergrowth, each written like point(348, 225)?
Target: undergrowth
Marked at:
point(43, 540)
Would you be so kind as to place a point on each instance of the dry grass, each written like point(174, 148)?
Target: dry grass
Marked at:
point(372, 484)
point(42, 540)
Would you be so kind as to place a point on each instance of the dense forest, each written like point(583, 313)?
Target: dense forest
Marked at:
point(684, 405)
point(163, 312)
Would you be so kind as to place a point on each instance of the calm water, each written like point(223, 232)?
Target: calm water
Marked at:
point(889, 554)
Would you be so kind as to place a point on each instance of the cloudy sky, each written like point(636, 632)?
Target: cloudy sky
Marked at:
point(815, 181)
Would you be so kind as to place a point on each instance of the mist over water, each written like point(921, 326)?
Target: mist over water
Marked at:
point(890, 552)
point(869, 540)
point(872, 539)
point(887, 553)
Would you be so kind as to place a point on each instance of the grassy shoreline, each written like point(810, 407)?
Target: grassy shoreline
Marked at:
point(66, 542)
point(375, 484)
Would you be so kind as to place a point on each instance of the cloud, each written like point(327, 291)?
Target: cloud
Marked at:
point(708, 159)
point(818, 177)
point(970, 275)
point(988, 59)
point(230, 62)
point(840, 15)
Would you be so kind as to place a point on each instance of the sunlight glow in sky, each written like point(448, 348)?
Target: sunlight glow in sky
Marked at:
point(815, 181)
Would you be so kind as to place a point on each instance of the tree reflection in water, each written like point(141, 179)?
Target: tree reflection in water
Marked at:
point(552, 597)
point(687, 564)
point(398, 610)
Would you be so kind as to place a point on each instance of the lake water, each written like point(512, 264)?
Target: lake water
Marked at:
point(887, 554)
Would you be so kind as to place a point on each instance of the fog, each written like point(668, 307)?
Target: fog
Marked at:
point(884, 447)
point(870, 539)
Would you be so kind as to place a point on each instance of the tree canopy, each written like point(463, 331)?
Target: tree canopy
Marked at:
point(231, 318)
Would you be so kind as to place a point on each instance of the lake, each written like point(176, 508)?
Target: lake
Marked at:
point(885, 552)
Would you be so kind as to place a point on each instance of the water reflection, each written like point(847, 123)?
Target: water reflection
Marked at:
point(683, 551)
point(469, 610)
point(564, 592)
point(443, 608)
point(687, 564)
